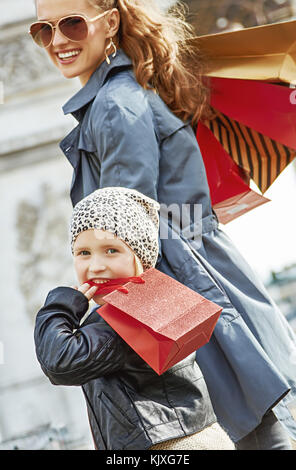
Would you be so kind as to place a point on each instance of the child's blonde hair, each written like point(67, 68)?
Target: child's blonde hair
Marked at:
point(138, 266)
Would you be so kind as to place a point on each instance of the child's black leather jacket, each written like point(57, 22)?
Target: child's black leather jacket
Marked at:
point(130, 407)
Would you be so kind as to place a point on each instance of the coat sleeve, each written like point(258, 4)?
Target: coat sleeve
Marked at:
point(123, 130)
point(70, 354)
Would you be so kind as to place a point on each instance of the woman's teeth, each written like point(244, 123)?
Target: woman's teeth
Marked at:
point(66, 55)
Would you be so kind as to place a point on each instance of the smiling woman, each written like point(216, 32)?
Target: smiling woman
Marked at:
point(97, 28)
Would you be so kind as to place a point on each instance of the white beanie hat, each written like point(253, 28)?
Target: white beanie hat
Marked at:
point(127, 213)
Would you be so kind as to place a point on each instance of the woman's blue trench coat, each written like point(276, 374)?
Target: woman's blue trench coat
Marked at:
point(127, 136)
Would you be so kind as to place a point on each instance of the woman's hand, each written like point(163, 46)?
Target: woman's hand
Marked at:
point(85, 289)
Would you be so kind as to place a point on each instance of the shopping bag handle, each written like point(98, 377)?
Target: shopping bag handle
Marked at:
point(116, 284)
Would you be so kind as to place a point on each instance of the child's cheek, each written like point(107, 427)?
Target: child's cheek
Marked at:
point(80, 271)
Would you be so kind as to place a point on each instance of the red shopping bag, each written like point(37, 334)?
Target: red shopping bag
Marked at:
point(230, 193)
point(266, 108)
point(162, 320)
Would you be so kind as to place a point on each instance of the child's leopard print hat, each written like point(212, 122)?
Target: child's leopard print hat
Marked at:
point(127, 213)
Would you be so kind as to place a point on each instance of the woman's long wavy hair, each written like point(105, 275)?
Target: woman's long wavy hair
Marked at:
point(159, 45)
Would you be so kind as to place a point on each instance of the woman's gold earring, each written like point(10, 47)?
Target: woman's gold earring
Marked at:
point(111, 44)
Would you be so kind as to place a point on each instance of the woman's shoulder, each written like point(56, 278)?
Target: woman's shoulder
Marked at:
point(121, 91)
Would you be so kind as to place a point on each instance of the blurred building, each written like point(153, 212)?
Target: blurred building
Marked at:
point(34, 213)
point(214, 16)
point(35, 208)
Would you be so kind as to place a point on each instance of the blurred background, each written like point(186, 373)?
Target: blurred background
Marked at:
point(35, 207)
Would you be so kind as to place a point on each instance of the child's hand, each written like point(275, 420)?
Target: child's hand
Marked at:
point(85, 289)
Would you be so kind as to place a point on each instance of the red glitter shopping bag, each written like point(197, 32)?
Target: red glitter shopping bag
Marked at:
point(162, 320)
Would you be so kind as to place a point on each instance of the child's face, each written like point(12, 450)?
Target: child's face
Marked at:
point(99, 255)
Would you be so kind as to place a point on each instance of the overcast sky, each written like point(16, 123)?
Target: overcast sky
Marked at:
point(266, 236)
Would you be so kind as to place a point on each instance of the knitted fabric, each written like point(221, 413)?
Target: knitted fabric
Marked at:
point(127, 213)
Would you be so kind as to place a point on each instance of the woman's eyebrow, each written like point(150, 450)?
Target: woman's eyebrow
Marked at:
point(50, 20)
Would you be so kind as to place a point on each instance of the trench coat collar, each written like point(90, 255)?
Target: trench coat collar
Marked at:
point(86, 94)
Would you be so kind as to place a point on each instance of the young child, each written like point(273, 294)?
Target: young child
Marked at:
point(115, 236)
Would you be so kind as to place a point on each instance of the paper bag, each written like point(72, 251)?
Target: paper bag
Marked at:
point(255, 124)
point(263, 107)
point(265, 52)
point(162, 320)
point(230, 193)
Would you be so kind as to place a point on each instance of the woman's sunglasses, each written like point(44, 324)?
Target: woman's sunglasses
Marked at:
point(74, 28)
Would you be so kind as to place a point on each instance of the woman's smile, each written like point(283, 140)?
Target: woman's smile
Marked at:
point(66, 57)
